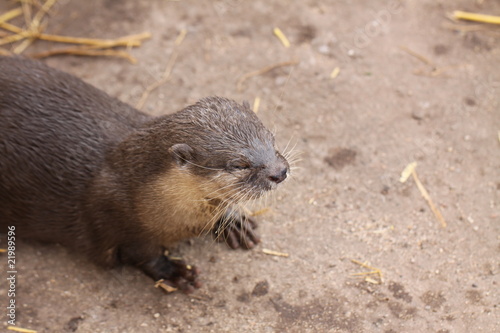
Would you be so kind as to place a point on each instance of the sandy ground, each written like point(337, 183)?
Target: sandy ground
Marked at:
point(356, 133)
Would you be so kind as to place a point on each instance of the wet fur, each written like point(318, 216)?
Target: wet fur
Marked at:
point(83, 169)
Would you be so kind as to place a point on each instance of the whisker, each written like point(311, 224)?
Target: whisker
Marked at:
point(285, 152)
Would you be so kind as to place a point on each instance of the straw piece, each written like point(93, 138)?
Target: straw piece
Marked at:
point(407, 172)
point(24, 44)
point(459, 15)
point(34, 25)
point(164, 286)
point(19, 329)
point(12, 38)
point(426, 196)
point(10, 14)
point(281, 36)
point(366, 275)
point(410, 170)
point(256, 104)
point(417, 55)
point(26, 6)
point(275, 253)
point(261, 71)
point(85, 52)
point(180, 37)
point(11, 28)
point(132, 40)
point(335, 73)
point(42, 12)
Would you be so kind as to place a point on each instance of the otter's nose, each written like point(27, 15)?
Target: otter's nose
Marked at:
point(279, 176)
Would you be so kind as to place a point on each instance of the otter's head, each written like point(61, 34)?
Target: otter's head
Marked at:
point(225, 144)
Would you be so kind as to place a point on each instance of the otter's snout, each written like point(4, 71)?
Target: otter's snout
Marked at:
point(278, 171)
point(279, 176)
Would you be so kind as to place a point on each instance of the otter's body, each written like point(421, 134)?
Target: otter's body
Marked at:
point(81, 168)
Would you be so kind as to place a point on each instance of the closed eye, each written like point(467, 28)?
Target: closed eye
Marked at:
point(239, 165)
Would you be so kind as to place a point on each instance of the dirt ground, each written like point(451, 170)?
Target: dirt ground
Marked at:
point(356, 133)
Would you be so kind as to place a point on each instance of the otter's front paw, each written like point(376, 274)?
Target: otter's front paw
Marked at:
point(237, 230)
point(174, 273)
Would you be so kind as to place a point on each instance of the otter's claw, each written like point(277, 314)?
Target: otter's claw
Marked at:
point(174, 273)
point(237, 230)
point(184, 277)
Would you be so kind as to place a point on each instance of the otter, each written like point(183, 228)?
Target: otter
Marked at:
point(83, 169)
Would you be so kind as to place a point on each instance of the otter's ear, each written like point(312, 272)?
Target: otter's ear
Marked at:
point(181, 153)
point(246, 105)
